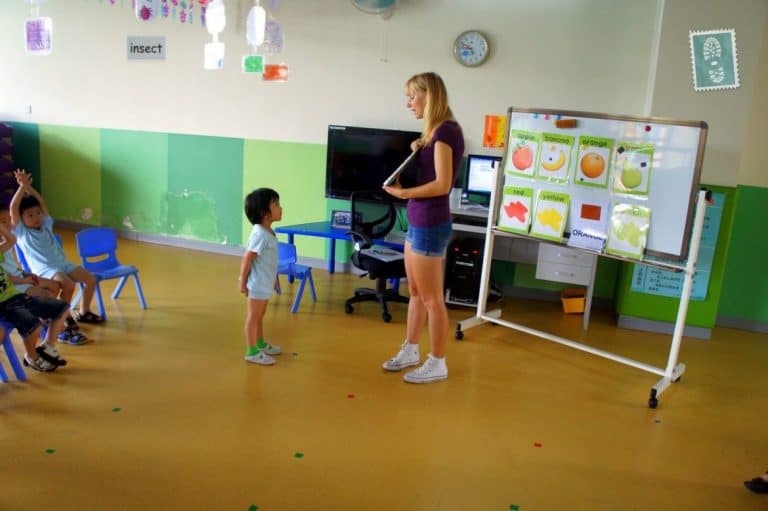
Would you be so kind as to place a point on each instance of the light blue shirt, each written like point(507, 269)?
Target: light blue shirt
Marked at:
point(40, 247)
point(261, 279)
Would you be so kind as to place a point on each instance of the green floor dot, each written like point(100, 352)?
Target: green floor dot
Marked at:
point(50, 451)
point(298, 455)
point(253, 507)
point(514, 507)
point(116, 409)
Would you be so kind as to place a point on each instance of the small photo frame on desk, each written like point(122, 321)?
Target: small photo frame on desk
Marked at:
point(343, 219)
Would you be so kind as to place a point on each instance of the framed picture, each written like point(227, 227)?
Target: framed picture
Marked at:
point(714, 60)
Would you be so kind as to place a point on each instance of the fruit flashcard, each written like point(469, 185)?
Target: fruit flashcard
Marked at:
point(522, 152)
point(632, 168)
point(516, 207)
point(592, 161)
point(628, 230)
point(548, 221)
point(554, 157)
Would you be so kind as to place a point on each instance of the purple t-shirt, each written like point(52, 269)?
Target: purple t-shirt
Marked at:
point(433, 211)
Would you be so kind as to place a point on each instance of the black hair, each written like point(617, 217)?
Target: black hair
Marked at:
point(4, 207)
point(28, 202)
point(257, 204)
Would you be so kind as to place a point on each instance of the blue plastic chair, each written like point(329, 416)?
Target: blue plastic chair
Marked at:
point(97, 247)
point(286, 265)
point(18, 370)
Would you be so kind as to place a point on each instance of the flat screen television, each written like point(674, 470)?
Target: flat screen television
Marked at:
point(361, 159)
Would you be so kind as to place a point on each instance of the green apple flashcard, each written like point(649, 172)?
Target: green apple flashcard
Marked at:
point(632, 168)
point(628, 231)
point(522, 152)
point(548, 221)
point(554, 157)
point(592, 161)
point(516, 207)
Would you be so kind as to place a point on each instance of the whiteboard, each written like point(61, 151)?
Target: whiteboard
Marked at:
point(668, 187)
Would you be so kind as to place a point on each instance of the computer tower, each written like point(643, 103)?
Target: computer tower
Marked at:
point(464, 262)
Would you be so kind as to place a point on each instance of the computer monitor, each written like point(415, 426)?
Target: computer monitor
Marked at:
point(481, 175)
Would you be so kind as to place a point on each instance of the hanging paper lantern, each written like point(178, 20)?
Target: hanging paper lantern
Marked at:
point(216, 18)
point(255, 24)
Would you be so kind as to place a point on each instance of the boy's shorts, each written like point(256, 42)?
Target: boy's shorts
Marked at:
point(49, 271)
point(24, 312)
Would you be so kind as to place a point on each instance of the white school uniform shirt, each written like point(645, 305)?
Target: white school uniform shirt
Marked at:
point(261, 279)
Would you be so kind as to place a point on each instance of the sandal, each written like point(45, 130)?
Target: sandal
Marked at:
point(88, 317)
point(71, 324)
point(757, 485)
point(74, 338)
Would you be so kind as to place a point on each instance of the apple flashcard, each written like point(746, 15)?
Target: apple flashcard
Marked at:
point(632, 168)
point(516, 207)
point(554, 157)
point(593, 160)
point(522, 152)
point(551, 213)
point(628, 230)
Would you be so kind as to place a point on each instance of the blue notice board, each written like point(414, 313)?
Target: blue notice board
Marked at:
point(654, 281)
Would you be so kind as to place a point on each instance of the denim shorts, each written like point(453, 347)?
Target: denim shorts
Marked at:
point(25, 312)
point(429, 241)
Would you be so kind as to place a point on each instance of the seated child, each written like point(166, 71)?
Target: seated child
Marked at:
point(33, 227)
point(33, 285)
point(23, 312)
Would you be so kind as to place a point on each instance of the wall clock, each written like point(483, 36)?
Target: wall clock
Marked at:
point(471, 48)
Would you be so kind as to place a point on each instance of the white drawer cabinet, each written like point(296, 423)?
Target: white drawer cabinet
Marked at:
point(561, 264)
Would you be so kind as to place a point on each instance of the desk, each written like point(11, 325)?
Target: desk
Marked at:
point(325, 230)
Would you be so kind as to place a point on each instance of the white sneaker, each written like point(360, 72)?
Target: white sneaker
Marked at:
point(270, 349)
point(407, 356)
point(260, 358)
point(51, 354)
point(434, 369)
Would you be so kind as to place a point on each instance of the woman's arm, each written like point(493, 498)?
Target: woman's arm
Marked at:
point(442, 183)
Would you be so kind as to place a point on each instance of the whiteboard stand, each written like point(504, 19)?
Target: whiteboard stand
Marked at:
point(670, 374)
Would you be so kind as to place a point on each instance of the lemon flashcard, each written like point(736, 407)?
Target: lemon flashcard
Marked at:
point(554, 157)
point(628, 231)
point(592, 161)
point(632, 168)
point(522, 152)
point(516, 207)
point(548, 221)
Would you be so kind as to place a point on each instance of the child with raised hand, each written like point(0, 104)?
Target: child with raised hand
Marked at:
point(33, 227)
point(34, 285)
point(24, 313)
point(258, 271)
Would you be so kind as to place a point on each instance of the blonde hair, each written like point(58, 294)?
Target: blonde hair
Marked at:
point(436, 109)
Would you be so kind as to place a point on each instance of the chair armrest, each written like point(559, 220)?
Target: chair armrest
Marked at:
point(360, 239)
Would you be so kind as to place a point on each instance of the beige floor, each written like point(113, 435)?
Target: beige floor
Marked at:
point(198, 428)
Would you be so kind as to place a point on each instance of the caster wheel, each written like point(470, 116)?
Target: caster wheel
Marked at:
point(459, 335)
point(348, 308)
point(653, 402)
point(386, 317)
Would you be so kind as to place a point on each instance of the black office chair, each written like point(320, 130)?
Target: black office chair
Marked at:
point(363, 233)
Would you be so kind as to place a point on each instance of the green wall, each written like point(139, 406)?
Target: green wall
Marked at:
point(701, 313)
point(745, 286)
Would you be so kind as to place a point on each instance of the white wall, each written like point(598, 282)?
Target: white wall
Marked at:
point(592, 55)
point(727, 111)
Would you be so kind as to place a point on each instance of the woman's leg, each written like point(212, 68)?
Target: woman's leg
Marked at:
point(428, 273)
point(417, 313)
